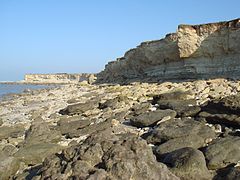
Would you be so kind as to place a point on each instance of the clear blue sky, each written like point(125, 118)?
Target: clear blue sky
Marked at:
point(49, 36)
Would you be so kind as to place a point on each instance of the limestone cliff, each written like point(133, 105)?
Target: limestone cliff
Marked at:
point(193, 52)
point(59, 78)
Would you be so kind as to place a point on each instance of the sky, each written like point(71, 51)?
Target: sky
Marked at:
point(76, 36)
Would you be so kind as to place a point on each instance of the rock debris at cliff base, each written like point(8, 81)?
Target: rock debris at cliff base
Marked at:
point(133, 131)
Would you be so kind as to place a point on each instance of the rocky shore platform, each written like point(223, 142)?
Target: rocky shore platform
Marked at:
point(170, 130)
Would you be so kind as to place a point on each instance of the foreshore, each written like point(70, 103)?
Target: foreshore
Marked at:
point(36, 125)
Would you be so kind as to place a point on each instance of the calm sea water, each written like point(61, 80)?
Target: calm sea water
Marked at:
point(18, 88)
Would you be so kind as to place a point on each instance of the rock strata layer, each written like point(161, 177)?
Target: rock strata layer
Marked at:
point(193, 52)
point(59, 78)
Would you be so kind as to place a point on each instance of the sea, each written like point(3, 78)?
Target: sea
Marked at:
point(6, 89)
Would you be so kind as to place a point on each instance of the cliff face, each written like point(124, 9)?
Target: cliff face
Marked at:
point(59, 78)
point(193, 52)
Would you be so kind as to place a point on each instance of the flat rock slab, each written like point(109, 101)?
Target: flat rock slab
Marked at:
point(176, 128)
point(151, 118)
point(11, 131)
point(177, 95)
point(67, 125)
point(114, 103)
point(183, 108)
point(41, 132)
point(79, 108)
point(178, 101)
point(227, 105)
point(225, 111)
point(193, 140)
point(223, 152)
point(34, 154)
point(188, 163)
point(89, 129)
point(231, 120)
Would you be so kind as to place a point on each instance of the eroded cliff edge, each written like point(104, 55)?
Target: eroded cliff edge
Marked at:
point(193, 52)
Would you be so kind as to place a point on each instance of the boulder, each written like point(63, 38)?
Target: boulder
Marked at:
point(40, 131)
point(33, 154)
point(188, 164)
point(87, 130)
point(79, 108)
point(11, 131)
point(229, 173)
point(223, 152)
point(182, 107)
point(193, 141)
point(114, 103)
point(224, 111)
point(68, 125)
point(151, 118)
point(179, 101)
point(140, 108)
point(8, 166)
point(176, 128)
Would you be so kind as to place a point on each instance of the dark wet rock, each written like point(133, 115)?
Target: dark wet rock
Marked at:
point(106, 156)
point(176, 128)
point(188, 164)
point(40, 131)
point(151, 118)
point(114, 103)
point(1, 122)
point(223, 152)
point(35, 153)
point(229, 173)
point(11, 131)
point(79, 108)
point(68, 125)
point(193, 140)
point(224, 111)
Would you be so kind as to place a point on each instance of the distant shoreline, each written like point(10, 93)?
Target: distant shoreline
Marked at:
point(31, 83)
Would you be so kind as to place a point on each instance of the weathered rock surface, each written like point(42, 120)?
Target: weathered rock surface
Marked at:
point(178, 101)
point(194, 51)
point(152, 117)
point(188, 164)
point(193, 140)
point(106, 156)
point(68, 125)
point(223, 152)
point(231, 173)
point(10, 131)
point(79, 108)
point(225, 111)
point(180, 128)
